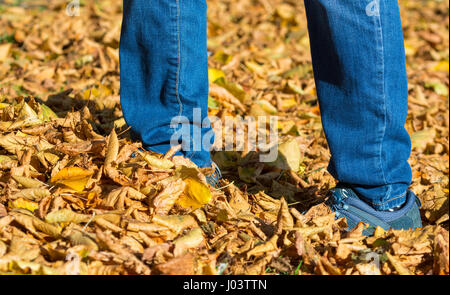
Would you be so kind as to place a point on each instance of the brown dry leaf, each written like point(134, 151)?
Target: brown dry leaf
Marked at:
point(28, 182)
point(130, 260)
point(156, 162)
point(148, 228)
point(78, 237)
point(33, 194)
point(3, 248)
point(65, 216)
point(108, 225)
point(4, 51)
point(131, 243)
point(165, 200)
point(100, 269)
point(369, 269)
point(33, 223)
point(112, 149)
point(183, 265)
point(155, 252)
point(117, 176)
point(116, 195)
point(135, 195)
point(285, 219)
point(333, 270)
point(4, 221)
point(269, 246)
point(402, 270)
point(176, 223)
point(412, 242)
point(441, 253)
point(192, 239)
point(125, 219)
point(224, 94)
point(76, 148)
point(3, 211)
point(238, 202)
point(299, 243)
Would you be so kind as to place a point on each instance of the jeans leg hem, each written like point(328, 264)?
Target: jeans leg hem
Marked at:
point(389, 204)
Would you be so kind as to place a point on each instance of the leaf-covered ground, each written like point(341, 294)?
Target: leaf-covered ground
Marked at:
point(78, 197)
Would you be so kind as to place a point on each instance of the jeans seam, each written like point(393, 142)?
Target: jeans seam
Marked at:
point(384, 203)
point(191, 154)
point(383, 92)
point(177, 83)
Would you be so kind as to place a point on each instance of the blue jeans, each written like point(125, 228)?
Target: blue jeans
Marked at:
point(359, 68)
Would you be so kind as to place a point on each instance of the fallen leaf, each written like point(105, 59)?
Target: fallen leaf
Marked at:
point(73, 177)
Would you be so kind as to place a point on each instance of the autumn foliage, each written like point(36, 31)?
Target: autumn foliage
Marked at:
point(77, 196)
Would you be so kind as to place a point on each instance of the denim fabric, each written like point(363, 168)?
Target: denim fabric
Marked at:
point(359, 67)
point(164, 71)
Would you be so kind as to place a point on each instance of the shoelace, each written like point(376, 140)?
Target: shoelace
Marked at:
point(214, 177)
point(336, 201)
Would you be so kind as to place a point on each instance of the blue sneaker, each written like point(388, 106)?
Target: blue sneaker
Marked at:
point(214, 177)
point(345, 203)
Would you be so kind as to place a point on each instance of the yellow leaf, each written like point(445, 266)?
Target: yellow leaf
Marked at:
point(156, 162)
point(90, 93)
point(420, 139)
point(3, 105)
point(4, 51)
point(66, 215)
point(28, 182)
point(409, 49)
point(46, 113)
point(24, 204)
point(215, 74)
point(255, 67)
point(289, 156)
point(101, 91)
point(235, 89)
point(267, 106)
point(288, 103)
point(7, 161)
point(213, 112)
point(442, 66)
point(104, 91)
point(287, 127)
point(222, 57)
point(295, 88)
point(119, 123)
point(52, 158)
point(74, 177)
point(286, 11)
point(196, 194)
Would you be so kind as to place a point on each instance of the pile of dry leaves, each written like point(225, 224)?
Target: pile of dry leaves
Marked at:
point(79, 197)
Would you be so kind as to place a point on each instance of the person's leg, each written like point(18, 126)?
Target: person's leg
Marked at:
point(359, 67)
point(164, 72)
